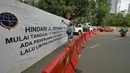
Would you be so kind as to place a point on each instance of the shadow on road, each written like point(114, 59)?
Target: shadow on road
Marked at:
point(78, 71)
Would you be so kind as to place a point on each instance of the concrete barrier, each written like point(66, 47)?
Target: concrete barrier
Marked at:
point(28, 34)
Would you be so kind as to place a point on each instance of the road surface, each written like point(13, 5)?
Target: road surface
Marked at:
point(106, 53)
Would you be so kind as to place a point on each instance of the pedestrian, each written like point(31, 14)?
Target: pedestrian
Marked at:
point(70, 30)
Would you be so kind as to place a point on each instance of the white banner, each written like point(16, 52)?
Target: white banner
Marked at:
point(27, 35)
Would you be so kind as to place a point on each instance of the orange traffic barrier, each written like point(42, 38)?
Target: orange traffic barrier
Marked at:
point(86, 35)
point(73, 46)
point(90, 34)
point(94, 32)
point(67, 60)
point(57, 65)
point(73, 55)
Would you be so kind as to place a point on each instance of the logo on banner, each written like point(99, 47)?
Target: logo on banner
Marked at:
point(8, 20)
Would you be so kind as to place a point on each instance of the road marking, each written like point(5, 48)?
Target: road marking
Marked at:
point(118, 38)
point(79, 56)
point(89, 39)
point(95, 46)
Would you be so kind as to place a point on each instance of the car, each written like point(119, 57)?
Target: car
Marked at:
point(78, 29)
point(88, 25)
point(85, 28)
point(106, 29)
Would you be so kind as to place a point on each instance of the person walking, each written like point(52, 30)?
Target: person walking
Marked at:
point(70, 30)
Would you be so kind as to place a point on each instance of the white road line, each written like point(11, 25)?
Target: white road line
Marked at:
point(95, 46)
point(118, 38)
point(79, 56)
point(89, 39)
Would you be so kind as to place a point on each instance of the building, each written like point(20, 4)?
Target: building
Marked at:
point(129, 8)
point(115, 6)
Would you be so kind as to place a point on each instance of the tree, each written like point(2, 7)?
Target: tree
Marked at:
point(88, 15)
point(127, 20)
point(108, 21)
point(102, 10)
point(81, 10)
point(77, 8)
point(119, 19)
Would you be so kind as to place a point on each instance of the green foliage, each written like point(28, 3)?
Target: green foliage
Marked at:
point(127, 20)
point(118, 20)
point(103, 10)
point(108, 21)
point(81, 10)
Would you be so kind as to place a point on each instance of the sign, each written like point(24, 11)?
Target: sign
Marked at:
point(27, 35)
point(8, 20)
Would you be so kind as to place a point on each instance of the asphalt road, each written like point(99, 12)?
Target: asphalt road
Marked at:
point(106, 53)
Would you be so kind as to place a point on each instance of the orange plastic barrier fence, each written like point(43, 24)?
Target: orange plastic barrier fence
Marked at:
point(96, 31)
point(57, 65)
point(67, 60)
point(87, 35)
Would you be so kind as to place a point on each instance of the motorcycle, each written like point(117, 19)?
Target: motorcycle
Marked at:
point(123, 34)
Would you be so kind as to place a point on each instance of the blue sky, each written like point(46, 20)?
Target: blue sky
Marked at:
point(124, 4)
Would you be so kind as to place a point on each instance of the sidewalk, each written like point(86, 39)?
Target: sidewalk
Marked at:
point(40, 65)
